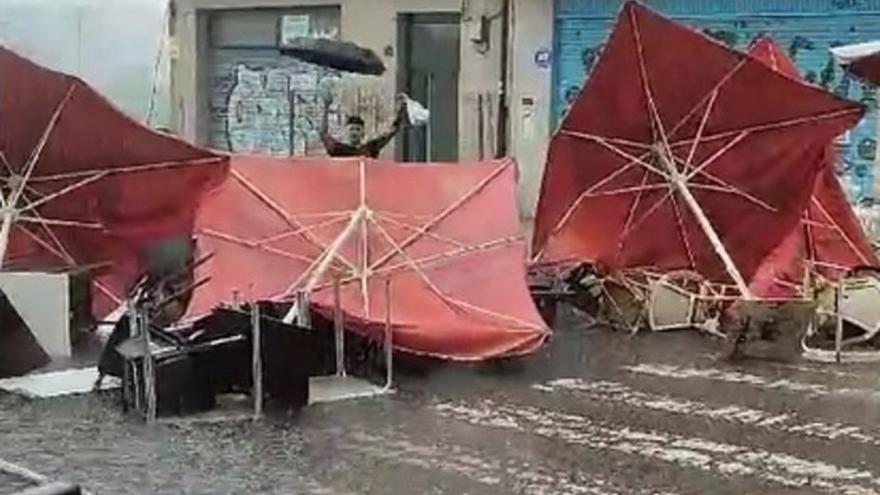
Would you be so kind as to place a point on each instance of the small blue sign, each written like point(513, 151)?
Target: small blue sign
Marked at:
point(543, 58)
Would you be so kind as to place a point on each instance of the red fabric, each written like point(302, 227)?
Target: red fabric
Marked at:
point(867, 68)
point(829, 238)
point(589, 196)
point(467, 300)
point(771, 54)
point(137, 186)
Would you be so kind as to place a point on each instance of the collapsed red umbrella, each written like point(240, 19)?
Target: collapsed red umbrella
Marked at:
point(861, 59)
point(828, 240)
point(84, 187)
point(447, 237)
point(682, 154)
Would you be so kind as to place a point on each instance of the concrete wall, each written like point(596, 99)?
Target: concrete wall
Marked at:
point(531, 95)
point(373, 24)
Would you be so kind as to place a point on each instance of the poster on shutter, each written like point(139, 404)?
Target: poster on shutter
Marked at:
point(294, 26)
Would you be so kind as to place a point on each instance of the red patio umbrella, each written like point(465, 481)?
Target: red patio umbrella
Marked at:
point(82, 186)
point(829, 239)
point(446, 236)
point(861, 59)
point(681, 153)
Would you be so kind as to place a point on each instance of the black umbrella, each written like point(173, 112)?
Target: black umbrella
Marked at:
point(340, 55)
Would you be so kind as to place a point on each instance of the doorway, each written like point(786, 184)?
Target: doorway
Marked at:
point(429, 54)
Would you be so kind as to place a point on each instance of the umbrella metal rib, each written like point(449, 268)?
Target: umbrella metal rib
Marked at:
point(268, 201)
point(442, 215)
point(433, 259)
point(629, 216)
point(683, 232)
point(363, 219)
point(834, 225)
point(17, 185)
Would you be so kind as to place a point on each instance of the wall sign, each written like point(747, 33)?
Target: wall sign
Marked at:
point(543, 58)
point(294, 26)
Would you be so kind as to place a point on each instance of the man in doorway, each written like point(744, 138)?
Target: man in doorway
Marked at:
point(354, 144)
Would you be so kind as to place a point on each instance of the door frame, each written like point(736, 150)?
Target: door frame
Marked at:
point(405, 23)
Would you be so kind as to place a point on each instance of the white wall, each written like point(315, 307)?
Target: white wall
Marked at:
point(531, 96)
point(112, 44)
point(43, 302)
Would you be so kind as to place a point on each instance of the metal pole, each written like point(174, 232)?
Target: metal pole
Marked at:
point(338, 329)
point(429, 139)
point(679, 181)
point(303, 317)
point(389, 335)
point(257, 371)
point(149, 369)
point(838, 331)
point(131, 366)
point(481, 127)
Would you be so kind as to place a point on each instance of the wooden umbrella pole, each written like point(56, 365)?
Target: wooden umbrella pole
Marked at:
point(680, 184)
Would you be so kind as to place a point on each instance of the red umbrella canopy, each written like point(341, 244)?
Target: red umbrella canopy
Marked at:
point(867, 68)
point(829, 238)
point(682, 154)
point(85, 186)
point(447, 237)
point(771, 54)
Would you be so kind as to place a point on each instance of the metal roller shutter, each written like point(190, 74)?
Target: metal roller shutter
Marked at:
point(260, 101)
point(808, 28)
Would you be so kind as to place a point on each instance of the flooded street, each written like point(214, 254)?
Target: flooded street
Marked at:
point(595, 413)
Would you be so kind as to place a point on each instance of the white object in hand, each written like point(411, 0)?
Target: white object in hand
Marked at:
point(418, 115)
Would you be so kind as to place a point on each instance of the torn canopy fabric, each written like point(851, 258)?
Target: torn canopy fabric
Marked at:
point(447, 237)
point(83, 186)
point(828, 241)
point(681, 153)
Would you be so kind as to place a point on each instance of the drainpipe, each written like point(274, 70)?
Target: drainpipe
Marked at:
point(503, 108)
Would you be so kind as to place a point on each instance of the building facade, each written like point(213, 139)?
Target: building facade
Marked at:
point(232, 89)
point(497, 74)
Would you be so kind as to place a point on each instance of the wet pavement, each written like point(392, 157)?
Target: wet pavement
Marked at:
point(596, 412)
